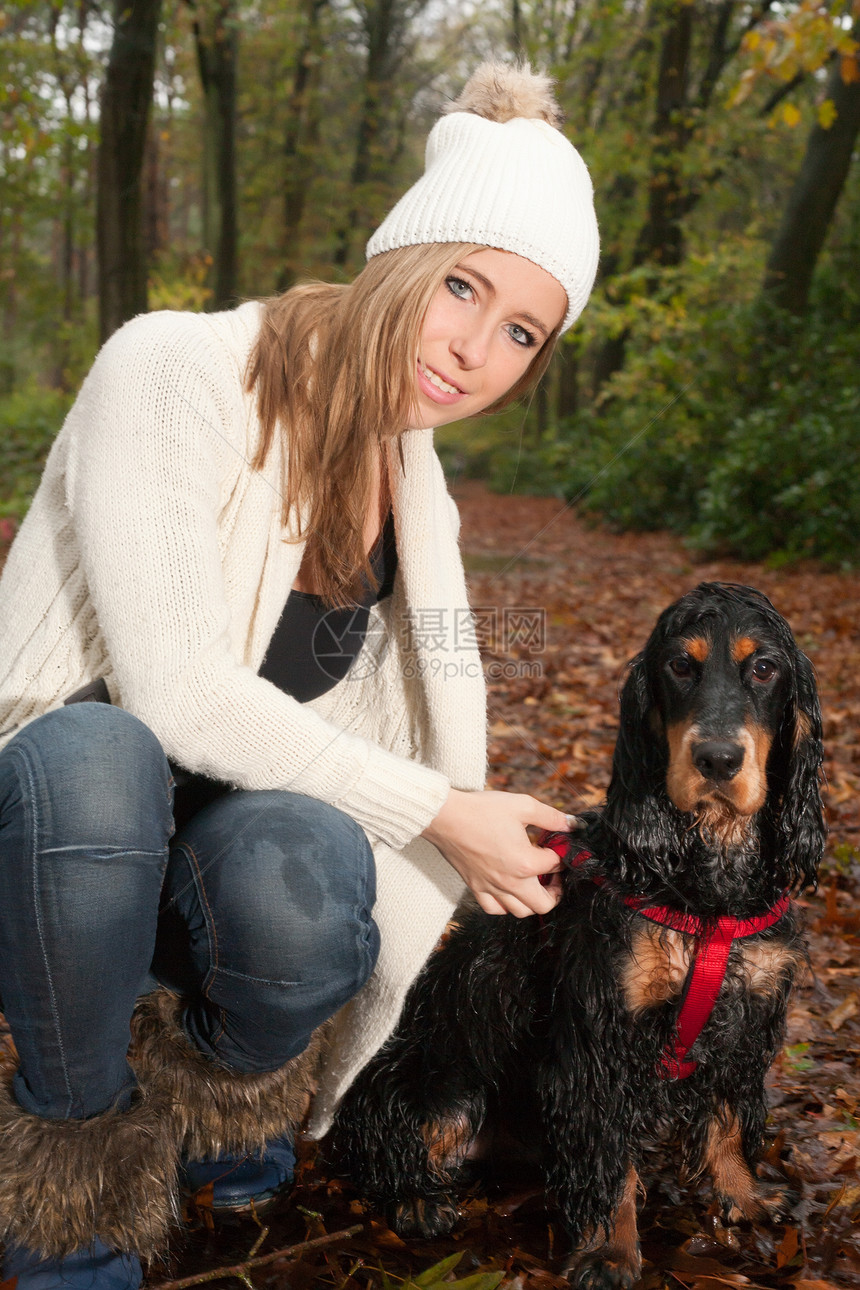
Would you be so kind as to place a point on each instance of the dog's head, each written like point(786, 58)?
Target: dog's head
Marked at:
point(720, 715)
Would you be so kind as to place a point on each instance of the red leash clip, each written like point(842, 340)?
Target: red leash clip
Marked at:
point(560, 843)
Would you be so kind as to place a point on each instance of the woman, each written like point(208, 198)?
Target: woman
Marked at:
point(243, 546)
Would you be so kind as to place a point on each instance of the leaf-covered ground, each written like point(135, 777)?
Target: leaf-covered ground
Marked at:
point(563, 607)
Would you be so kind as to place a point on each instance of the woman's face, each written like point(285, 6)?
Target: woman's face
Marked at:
point(485, 325)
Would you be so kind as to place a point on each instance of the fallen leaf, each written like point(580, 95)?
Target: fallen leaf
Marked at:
point(847, 1008)
point(787, 1248)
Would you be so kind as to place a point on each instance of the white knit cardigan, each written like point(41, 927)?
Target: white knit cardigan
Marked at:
point(154, 556)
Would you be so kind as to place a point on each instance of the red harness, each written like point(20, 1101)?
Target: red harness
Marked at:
point(713, 945)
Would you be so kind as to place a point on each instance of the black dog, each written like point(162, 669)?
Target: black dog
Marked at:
point(584, 1025)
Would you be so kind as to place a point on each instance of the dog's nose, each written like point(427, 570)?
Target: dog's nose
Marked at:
point(718, 759)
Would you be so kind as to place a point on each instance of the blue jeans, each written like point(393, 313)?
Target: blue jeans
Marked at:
point(258, 911)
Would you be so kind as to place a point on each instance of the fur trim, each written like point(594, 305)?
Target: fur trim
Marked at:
point(501, 92)
point(62, 1182)
point(215, 1109)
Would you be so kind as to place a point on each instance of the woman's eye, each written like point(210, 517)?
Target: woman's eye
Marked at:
point(521, 336)
point(764, 669)
point(681, 666)
point(459, 288)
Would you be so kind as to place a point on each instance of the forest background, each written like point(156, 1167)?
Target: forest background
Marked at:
point(191, 153)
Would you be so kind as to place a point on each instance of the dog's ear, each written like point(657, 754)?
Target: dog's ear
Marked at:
point(639, 832)
point(636, 764)
point(800, 828)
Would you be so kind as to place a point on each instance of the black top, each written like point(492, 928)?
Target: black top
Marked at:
point(311, 650)
point(313, 646)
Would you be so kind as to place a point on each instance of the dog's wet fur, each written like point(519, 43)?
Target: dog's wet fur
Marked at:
point(559, 1022)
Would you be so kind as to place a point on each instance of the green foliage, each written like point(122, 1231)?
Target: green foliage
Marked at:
point(29, 420)
point(724, 423)
point(180, 286)
point(796, 1058)
point(48, 111)
point(843, 861)
point(493, 447)
point(786, 483)
point(438, 1277)
point(732, 424)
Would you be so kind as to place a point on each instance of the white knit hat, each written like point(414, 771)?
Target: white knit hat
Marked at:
point(498, 172)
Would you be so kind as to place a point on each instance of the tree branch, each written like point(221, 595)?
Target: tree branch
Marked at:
point(240, 1269)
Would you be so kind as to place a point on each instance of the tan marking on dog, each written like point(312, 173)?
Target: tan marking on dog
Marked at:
point(802, 729)
point(720, 826)
point(717, 806)
point(724, 1160)
point(623, 1243)
point(619, 1248)
point(447, 1145)
point(767, 964)
point(681, 775)
point(743, 647)
point(744, 1196)
point(424, 1218)
point(697, 647)
point(762, 741)
point(657, 966)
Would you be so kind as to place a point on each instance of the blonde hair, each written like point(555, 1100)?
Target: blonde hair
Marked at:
point(334, 372)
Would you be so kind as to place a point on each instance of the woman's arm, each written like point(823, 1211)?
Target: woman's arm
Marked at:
point(158, 443)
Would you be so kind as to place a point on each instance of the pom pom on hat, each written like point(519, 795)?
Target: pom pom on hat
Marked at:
point(498, 172)
point(500, 92)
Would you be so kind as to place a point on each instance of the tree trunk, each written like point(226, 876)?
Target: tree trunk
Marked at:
point(661, 238)
point(541, 409)
point(812, 201)
point(216, 33)
point(567, 404)
point(517, 41)
point(126, 99)
point(380, 23)
point(302, 134)
point(156, 203)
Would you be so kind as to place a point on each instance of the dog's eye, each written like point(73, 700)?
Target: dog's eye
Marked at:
point(682, 666)
point(764, 669)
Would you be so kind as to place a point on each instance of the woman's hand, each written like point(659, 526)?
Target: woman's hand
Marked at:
point(483, 835)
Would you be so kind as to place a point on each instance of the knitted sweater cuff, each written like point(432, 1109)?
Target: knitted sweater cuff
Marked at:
point(395, 799)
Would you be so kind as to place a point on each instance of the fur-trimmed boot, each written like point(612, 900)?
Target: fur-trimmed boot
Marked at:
point(67, 1184)
point(235, 1130)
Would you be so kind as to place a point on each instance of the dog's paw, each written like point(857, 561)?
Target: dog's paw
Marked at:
point(770, 1202)
point(423, 1218)
point(780, 1201)
point(599, 1272)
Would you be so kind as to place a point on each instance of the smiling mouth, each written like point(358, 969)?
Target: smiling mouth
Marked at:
point(440, 383)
